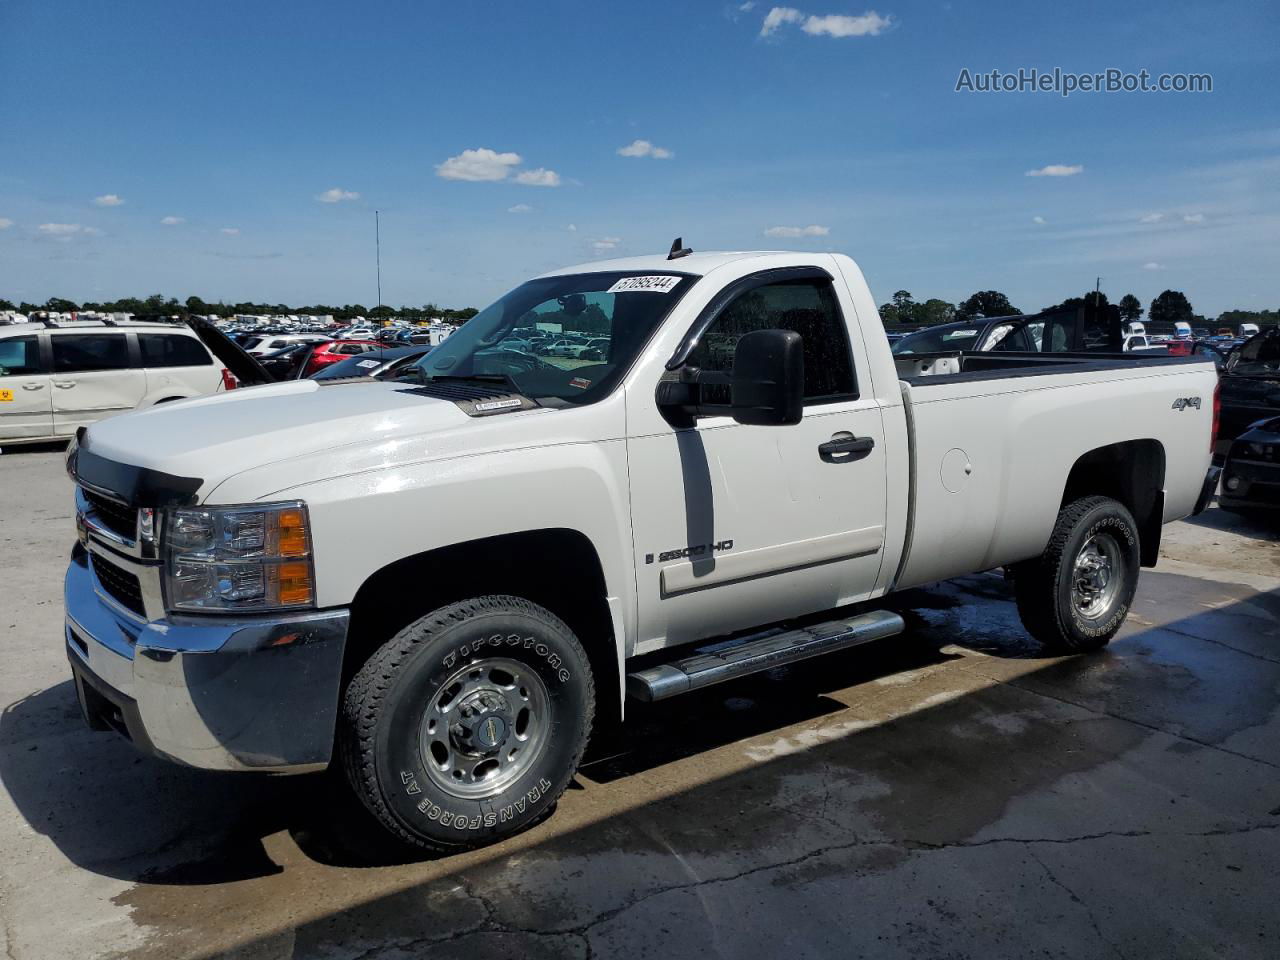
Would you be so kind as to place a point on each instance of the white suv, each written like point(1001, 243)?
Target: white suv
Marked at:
point(54, 380)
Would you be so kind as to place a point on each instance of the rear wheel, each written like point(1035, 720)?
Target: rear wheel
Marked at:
point(467, 726)
point(1076, 595)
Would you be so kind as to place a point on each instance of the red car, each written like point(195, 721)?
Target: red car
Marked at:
point(333, 351)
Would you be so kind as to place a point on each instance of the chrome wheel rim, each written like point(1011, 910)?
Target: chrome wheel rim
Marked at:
point(1096, 577)
point(485, 726)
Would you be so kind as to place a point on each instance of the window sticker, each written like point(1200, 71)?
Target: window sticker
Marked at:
point(580, 382)
point(655, 284)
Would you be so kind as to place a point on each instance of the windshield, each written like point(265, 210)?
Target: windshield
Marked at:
point(940, 339)
point(561, 340)
point(1261, 355)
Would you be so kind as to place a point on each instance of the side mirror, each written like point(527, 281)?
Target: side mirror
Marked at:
point(768, 378)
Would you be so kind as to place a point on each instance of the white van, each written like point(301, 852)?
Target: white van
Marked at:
point(54, 380)
point(1182, 330)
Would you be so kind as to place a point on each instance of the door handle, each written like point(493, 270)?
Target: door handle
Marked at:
point(33, 386)
point(64, 384)
point(845, 449)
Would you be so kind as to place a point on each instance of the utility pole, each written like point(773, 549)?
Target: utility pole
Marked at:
point(377, 251)
point(1097, 292)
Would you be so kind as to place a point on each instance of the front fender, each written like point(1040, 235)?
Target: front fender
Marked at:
point(364, 522)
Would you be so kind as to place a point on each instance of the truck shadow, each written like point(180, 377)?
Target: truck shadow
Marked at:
point(860, 824)
point(116, 813)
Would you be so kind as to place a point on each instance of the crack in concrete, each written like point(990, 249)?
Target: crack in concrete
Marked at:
point(1221, 643)
point(1088, 911)
point(1139, 723)
point(582, 931)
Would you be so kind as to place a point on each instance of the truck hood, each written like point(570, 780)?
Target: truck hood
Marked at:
point(218, 436)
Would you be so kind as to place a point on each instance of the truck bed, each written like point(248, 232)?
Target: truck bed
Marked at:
point(994, 439)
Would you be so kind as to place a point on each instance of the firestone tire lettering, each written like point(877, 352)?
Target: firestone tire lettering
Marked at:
point(382, 714)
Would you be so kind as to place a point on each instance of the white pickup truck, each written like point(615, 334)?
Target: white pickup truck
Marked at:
point(441, 582)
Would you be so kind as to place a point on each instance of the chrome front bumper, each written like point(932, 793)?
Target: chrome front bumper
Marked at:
point(233, 693)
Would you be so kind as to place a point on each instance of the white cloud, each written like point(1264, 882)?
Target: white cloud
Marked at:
point(108, 200)
point(869, 24)
point(92, 232)
point(1152, 265)
point(172, 221)
point(541, 177)
point(1039, 219)
point(813, 230)
point(1193, 218)
point(1151, 218)
point(337, 195)
point(1057, 170)
point(230, 231)
point(520, 208)
point(478, 165)
point(60, 229)
point(747, 7)
point(5, 223)
point(605, 243)
point(777, 17)
point(573, 228)
point(643, 148)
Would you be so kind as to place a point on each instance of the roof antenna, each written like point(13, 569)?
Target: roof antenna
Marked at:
point(678, 249)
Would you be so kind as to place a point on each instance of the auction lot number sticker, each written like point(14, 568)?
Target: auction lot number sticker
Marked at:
point(656, 284)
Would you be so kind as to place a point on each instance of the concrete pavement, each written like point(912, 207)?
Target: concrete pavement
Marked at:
point(946, 793)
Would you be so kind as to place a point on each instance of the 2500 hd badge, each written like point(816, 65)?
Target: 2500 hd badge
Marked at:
point(698, 550)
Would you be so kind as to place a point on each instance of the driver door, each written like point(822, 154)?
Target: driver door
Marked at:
point(737, 526)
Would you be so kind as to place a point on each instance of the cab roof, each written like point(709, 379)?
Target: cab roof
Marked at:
point(697, 264)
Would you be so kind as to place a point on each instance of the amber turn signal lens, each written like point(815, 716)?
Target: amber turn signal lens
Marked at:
point(292, 527)
point(294, 584)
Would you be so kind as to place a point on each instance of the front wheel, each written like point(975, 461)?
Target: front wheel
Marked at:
point(1076, 595)
point(466, 727)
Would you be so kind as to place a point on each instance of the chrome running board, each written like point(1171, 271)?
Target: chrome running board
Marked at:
point(756, 652)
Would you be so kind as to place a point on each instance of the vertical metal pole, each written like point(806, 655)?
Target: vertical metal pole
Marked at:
point(377, 248)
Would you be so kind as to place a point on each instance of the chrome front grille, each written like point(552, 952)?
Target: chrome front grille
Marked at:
point(120, 519)
point(123, 586)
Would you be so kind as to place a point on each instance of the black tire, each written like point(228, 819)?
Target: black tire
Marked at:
point(1044, 587)
point(388, 706)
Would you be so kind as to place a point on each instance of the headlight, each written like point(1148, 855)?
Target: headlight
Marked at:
point(252, 557)
point(1261, 451)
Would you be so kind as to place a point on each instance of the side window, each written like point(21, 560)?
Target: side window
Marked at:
point(85, 352)
point(809, 308)
point(19, 357)
point(1014, 339)
point(172, 350)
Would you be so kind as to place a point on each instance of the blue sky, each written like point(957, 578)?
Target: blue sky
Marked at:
point(235, 118)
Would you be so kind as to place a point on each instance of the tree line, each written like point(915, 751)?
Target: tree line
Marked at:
point(1171, 306)
point(168, 306)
